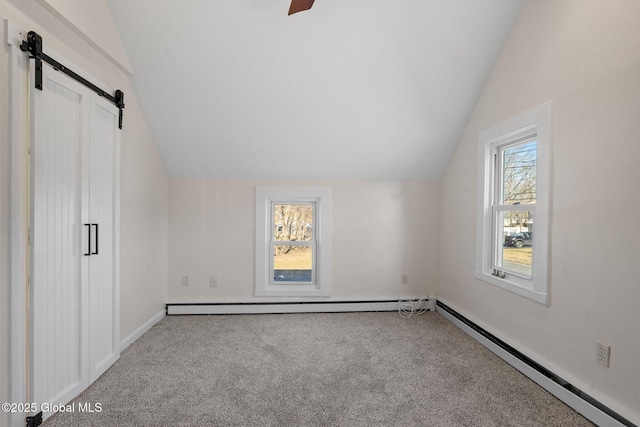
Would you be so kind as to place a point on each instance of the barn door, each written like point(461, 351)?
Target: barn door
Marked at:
point(74, 187)
point(104, 341)
point(58, 326)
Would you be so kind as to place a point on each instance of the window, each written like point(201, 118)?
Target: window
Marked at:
point(293, 241)
point(513, 204)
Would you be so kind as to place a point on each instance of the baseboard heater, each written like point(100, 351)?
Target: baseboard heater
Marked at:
point(559, 381)
point(275, 307)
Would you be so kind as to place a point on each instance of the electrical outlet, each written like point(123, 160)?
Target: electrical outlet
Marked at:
point(602, 354)
point(185, 280)
point(405, 279)
point(213, 281)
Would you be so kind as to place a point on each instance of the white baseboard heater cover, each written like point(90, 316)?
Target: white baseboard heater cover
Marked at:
point(589, 407)
point(275, 307)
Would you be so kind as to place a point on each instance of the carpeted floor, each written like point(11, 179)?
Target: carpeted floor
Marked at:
point(339, 369)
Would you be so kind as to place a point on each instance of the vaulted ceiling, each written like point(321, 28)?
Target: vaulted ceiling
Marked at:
point(350, 89)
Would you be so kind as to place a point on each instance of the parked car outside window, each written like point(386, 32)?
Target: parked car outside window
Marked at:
point(519, 240)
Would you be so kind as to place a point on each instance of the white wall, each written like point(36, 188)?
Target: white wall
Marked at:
point(92, 20)
point(380, 230)
point(144, 183)
point(4, 235)
point(584, 55)
point(144, 224)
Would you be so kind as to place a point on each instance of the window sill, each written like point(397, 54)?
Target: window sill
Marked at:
point(293, 293)
point(527, 292)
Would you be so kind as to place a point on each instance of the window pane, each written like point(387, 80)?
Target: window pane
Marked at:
point(293, 222)
point(516, 248)
point(519, 173)
point(292, 264)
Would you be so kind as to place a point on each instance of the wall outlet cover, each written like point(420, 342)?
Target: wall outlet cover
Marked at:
point(603, 352)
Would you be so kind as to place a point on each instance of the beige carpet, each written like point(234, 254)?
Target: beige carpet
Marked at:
point(340, 369)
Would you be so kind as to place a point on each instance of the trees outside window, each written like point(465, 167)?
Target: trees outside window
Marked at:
point(293, 242)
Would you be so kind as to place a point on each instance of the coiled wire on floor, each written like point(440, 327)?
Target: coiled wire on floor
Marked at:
point(408, 307)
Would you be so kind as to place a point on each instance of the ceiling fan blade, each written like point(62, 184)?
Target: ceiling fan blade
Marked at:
point(300, 5)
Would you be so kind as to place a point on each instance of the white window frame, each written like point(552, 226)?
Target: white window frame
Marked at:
point(533, 123)
point(321, 198)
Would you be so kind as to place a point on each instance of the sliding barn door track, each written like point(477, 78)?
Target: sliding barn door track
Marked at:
point(33, 45)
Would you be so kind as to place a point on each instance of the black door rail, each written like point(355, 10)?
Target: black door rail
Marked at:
point(33, 45)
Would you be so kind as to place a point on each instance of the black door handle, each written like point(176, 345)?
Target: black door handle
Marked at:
point(96, 252)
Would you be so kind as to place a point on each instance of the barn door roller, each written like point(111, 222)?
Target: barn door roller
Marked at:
point(33, 45)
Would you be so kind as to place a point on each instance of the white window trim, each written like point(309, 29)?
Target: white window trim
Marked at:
point(533, 122)
point(265, 196)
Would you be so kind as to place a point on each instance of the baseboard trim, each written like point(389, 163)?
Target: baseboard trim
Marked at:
point(278, 307)
point(586, 405)
point(141, 330)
